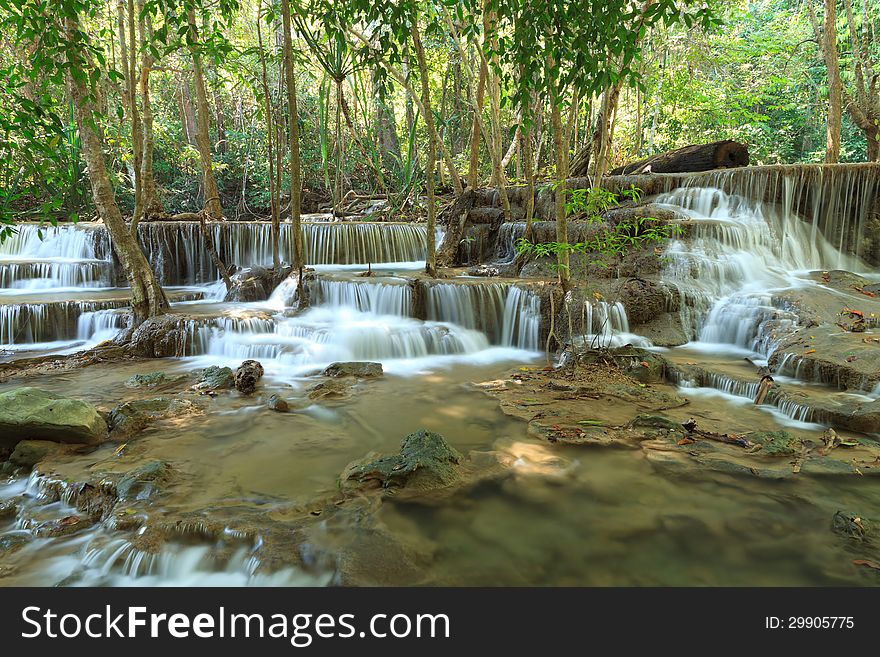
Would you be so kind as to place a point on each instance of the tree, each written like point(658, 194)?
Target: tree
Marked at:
point(569, 50)
point(67, 53)
point(213, 208)
point(293, 127)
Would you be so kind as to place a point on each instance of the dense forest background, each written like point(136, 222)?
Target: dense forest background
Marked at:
point(757, 71)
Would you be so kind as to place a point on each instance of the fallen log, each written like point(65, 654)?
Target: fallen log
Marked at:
point(724, 154)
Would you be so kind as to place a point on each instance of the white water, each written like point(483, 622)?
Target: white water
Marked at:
point(739, 253)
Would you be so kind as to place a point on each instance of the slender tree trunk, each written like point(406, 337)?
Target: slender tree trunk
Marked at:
point(147, 297)
point(561, 146)
point(212, 194)
point(295, 168)
point(187, 114)
point(152, 204)
point(832, 63)
point(270, 128)
point(131, 77)
point(385, 128)
point(473, 174)
point(430, 256)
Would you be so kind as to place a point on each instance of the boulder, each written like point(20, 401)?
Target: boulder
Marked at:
point(425, 462)
point(247, 375)
point(153, 380)
point(28, 453)
point(255, 284)
point(134, 416)
point(216, 378)
point(159, 337)
point(361, 370)
point(31, 413)
point(278, 404)
point(141, 481)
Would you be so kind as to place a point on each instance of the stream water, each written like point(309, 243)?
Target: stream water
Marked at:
point(565, 517)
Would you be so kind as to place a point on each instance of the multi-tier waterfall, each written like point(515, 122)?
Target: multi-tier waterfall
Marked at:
point(750, 243)
point(57, 291)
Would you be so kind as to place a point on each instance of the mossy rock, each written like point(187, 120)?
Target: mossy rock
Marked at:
point(777, 443)
point(425, 461)
point(142, 480)
point(31, 413)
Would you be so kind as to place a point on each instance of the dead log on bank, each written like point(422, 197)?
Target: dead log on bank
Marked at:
point(726, 154)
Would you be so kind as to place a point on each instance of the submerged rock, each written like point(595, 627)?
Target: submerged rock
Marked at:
point(361, 370)
point(28, 453)
point(216, 378)
point(14, 541)
point(332, 389)
point(425, 462)
point(134, 416)
point(247, 375)
point(278, 404)
point(142, 480)
point(152, 380)
point(31, 413)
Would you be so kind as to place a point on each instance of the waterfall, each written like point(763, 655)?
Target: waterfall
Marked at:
point(508, 315)
point(28, 323)
point(382, 298)
point(835, 202)
point(68, 241)
point(180, 257)
point(738, 251)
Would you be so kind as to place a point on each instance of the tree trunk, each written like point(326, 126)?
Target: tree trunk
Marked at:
point(187, 114)
point(270, 128)
point(147, 297)
point(152, 204)
point(454, 219)
point(832, 64)
point(559, 143)
point(430, 256)
point(725, 154)
point(203, 139)
point(131, 78)
point(385, 129)
point(473, 177)
point(295, 168)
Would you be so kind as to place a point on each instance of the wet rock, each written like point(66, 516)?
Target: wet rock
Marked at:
point(216, 378)
point(777, 443)
point(247, 375)
point(159, 337)
point(9, 507)
point(255, 284)
point(28, 453)
point(153, 380)
point(425, 462)
point(134, 416)
point(66, 526)
point(654, 422)
point(331, 389)
point(644, 300)
point(850, 525)
point(13, 541)
point(361, 370)
point(141, 481)
point(278, 404)
point(31, 413)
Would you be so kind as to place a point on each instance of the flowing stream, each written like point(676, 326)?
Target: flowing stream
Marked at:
point(566, 517)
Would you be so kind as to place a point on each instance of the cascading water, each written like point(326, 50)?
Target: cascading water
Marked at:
point(745, 248)
point(737, 253)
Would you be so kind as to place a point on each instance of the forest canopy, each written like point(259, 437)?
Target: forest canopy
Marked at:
point(192, 98)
